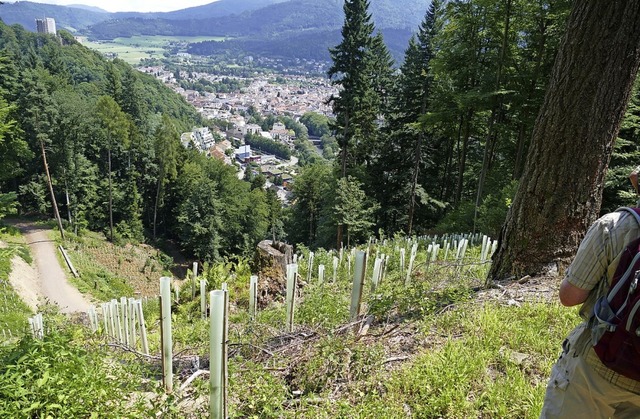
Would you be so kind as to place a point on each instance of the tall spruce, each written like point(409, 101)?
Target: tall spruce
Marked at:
point(114, 128)
point(355, 106)
point(351, 70)
point(502, 20)
point(166, 148)
point(407, 151)
point(462, 51)
point(38, 116)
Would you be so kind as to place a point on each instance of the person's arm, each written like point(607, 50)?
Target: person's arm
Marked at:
point(591, 263)
point(570, 295)
point(633, 177)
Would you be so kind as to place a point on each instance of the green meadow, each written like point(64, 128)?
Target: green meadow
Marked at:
point(135, 48)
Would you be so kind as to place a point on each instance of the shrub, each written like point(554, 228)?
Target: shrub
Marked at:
point(59, 377)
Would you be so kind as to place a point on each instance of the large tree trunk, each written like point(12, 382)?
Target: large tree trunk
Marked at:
point(560, 191)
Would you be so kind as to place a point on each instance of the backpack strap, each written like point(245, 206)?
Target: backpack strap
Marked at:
point(634, 211)
point(628, 274)
point(604, 316)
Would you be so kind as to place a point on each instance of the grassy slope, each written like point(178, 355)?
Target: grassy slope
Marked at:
point(438, 348)
point(435, 350)
point(110, 271)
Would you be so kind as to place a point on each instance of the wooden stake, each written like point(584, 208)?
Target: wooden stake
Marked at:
point(167, 349)
point(358, 283)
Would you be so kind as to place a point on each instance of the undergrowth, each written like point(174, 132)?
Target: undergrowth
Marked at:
point(66, 374)
point(424, 348)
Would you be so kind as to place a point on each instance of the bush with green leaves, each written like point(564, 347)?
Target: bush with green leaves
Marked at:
point(63, 375)
point(255, 392)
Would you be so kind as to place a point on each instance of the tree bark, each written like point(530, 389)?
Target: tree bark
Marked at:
point(561, 188)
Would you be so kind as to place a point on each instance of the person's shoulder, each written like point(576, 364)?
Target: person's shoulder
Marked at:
point(613, 217)
point(621, 218)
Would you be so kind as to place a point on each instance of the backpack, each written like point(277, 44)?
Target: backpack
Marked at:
point(615, 325)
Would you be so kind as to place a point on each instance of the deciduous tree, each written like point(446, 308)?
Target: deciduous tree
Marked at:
point(560, 192)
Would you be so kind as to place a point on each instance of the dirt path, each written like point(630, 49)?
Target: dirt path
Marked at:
point(50, 278)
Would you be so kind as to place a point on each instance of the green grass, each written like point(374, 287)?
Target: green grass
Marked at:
point(135, 48)
point(476, 372)
point(432, 350)
point(468, 359)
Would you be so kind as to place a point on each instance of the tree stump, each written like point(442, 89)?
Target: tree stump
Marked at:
point(271, 261)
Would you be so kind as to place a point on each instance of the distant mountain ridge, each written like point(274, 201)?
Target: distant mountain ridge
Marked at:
point(90, 8)
point(79, 17)
point(25, 13)
point(302, 29)
point(396, 14)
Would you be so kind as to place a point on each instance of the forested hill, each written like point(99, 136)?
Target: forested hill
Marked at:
point(241, 17)
point(78, 17)
point(25, 13)
point(110, 136)
point(303, 29)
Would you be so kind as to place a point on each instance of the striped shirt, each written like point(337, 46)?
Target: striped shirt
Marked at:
point(593, 268)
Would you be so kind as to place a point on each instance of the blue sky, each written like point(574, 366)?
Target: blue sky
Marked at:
point(132, 5)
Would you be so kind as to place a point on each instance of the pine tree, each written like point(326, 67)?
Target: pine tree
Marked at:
point(114, 126)
point(354, 106)
point(166, 147)
point(406, 152)
point(357, 106)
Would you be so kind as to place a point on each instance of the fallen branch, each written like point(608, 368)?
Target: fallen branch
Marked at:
point(386, 332)
point(133, 351)
point(365, 327)
point(193, 377)
point(253, 346)
point(395, 359)
point(349, 325)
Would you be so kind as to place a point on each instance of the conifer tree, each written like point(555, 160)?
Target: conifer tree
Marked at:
point(38, 116)
point(355, 107)
point(114, 125)
point(406, 153)
point(166, 148)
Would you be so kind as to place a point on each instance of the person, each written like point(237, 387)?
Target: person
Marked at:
point(581, 386)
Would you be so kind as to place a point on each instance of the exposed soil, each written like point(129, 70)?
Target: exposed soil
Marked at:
point(26, 283)
point(47, 280)
point(526, 289)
